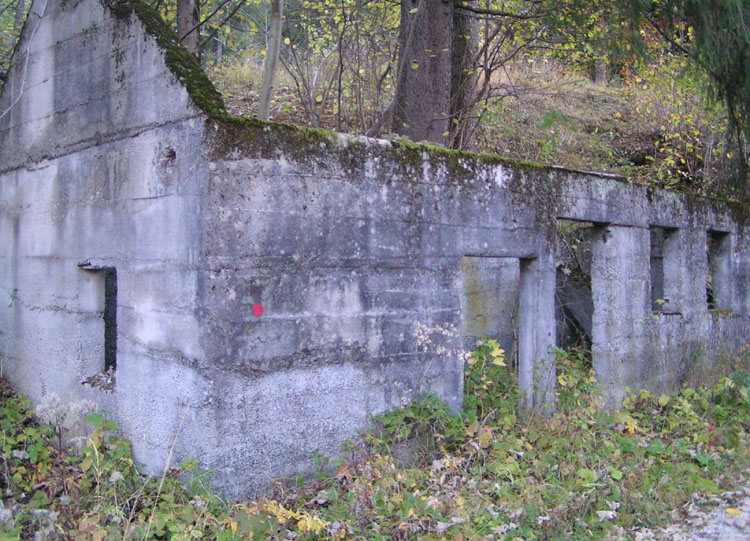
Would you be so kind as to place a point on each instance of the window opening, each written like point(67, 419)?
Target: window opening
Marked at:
point(574, 304)
point(110, 319)
point(107, 307)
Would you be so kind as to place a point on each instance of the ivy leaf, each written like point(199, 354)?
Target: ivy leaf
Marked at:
point(587, 475)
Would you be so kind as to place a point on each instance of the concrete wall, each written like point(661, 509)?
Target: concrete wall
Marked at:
point(99, 153)
point(277, 286)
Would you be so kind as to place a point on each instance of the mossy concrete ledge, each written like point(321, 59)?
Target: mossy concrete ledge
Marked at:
point(257, 289)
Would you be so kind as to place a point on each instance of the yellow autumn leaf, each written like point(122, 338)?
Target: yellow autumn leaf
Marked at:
point(498, 361)
point(309, 523)
point(733, 511)
point(631, 427)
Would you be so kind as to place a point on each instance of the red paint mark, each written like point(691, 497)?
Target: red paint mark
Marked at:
point(257, 310)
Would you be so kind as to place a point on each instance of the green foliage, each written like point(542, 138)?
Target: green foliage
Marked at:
point(490, 388)
point(576, 384)
point(713, 35)
point(427, 421)
point(487, 471)
point(12, 15)
point(97, 493)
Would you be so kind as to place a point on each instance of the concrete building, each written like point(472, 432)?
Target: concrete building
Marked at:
point(256, 288)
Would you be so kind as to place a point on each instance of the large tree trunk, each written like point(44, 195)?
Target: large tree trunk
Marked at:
point(423, 92)
point(188, 17)
point(463, 75)
point(272, 58)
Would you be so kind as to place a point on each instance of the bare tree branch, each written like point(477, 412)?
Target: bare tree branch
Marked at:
point(525, 15)
point(205, 20)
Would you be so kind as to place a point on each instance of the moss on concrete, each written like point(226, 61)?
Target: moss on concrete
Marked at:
point(251, 137)
point(178, 59)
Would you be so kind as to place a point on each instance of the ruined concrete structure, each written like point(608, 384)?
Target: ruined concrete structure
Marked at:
point(255, 286)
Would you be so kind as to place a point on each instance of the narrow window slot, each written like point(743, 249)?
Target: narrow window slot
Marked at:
point(110, 318)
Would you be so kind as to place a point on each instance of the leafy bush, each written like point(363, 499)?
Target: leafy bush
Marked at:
point(486, 471)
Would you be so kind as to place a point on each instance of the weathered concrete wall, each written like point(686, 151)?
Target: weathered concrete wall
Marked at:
point(272, 280)
point(99, 159)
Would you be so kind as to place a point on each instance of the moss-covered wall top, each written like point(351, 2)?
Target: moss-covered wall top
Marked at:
point(178, 59)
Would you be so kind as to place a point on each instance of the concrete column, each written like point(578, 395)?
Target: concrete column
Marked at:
point(673, 266)
point(536, 333)
point(719, 252)
point(742, 276)
point(620, 287)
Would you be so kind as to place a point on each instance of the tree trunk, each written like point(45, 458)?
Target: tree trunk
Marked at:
point(219, 51)
point(601, 64)
point(423, 91)
point(463, 75)
point(188, 17)
point(20, 14)
point(601, 71)
point(272, 58)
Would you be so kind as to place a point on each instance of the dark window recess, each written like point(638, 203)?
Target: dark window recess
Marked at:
point(110, 319)
point(574, 301)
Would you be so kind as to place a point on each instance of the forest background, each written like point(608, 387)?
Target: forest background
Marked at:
point(651, 90)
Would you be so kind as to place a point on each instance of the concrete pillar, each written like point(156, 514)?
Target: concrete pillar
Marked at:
point(620, 287)
point(536, 333)
point(742, 275)
point(719, 251)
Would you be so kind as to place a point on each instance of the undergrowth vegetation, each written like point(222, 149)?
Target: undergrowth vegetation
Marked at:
point(653, 124)
point(490, 472)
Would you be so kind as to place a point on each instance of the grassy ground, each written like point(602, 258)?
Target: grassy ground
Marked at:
point(489, 473)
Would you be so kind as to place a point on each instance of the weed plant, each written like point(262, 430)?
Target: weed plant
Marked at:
point(488, 472)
